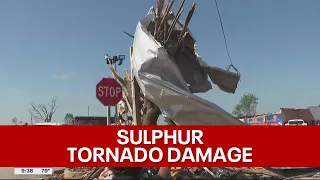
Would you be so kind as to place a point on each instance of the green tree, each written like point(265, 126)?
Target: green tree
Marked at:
point(14, 120)
point(247, 105)
point(68, 118)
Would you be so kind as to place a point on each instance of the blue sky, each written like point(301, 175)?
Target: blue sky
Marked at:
point(56, 48)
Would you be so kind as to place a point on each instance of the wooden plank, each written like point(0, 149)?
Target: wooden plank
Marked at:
point(135, 95)
point(136, 104)
point(175, 172)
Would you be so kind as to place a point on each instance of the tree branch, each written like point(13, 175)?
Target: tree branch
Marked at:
point(42, 112)
point(35, 113)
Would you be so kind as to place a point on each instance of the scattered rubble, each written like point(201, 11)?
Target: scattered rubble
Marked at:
point(198, 173)
point(166, 71)
point(57, 175)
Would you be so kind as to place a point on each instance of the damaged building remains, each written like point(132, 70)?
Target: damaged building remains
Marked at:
point(166, 71)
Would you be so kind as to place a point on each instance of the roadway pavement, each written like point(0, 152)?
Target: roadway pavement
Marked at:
point(8, 173)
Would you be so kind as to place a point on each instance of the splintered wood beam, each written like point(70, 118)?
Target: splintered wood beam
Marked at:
point(188, 19)
point(137, 105)
point(176, 19)
point(165, 14)
point(135, 95)
point(131, 65)
point(158, 16)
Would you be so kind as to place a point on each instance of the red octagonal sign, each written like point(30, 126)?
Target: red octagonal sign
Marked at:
point(109, 92)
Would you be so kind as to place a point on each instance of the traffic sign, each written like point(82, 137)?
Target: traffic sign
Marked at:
point(109, 92)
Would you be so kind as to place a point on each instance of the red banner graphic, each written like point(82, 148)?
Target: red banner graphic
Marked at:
point(155, 146)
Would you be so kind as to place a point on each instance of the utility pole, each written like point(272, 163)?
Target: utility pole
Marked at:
point(108, 115)
point(115, 107)
point(113, 61)
point(31, 119)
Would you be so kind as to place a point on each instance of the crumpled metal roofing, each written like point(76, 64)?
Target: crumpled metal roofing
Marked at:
point(162, 83)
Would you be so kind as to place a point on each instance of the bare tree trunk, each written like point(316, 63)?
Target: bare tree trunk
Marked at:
point(151, 113)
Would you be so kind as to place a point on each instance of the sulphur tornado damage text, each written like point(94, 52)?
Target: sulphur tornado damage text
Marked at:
point(169, 146)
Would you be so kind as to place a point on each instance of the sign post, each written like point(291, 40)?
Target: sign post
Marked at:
point(109, 92)
point(113, 61)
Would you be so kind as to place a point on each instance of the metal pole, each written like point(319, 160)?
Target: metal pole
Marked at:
point(88, 110)
point(115, 108)
point(108, 115)
point(114, 62)
point(109, 61)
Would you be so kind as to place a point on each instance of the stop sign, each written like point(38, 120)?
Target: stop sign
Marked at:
point(109, 91)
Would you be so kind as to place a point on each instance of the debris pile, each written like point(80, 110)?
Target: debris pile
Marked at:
point(179, 43)
point(225, 173)
point(199, 173)
point(166, 71)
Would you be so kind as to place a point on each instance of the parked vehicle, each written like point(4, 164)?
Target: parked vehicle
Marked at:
point(49, 124)
point(296, 122)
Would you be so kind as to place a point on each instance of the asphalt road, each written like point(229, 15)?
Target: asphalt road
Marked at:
point(8, 173)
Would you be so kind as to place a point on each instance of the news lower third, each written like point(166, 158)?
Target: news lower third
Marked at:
point(132, 148)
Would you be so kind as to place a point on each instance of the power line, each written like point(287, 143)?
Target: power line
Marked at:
point(224, 36)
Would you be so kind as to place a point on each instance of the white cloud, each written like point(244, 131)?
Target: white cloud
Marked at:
point(65, 76)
